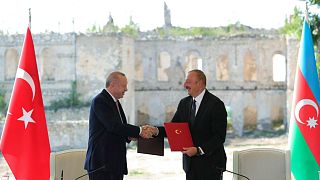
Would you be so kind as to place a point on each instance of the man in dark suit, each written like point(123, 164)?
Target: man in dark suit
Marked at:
point(207, 118)
point(109, 132)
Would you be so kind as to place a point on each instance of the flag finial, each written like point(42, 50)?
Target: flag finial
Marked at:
point(30, 18)
point(307, 12)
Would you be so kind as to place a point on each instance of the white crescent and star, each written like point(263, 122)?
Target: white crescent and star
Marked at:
point(177, 131)
point(311, 122)
point(22, 74)
point(26, 117)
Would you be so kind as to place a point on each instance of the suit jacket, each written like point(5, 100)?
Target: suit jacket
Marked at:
point(108, 136)
point(208, 131)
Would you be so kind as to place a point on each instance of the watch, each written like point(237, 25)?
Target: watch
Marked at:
point(198, 151)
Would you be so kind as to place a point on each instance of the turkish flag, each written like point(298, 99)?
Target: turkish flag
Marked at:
point(25, 142)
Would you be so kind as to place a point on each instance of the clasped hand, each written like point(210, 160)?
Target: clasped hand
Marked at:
point(147, 131)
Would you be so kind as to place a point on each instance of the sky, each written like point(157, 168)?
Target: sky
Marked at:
point(59, 15)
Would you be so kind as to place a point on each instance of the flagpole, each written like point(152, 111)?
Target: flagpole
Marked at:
point(30, 18)
point(29, 160)
point(307, 12)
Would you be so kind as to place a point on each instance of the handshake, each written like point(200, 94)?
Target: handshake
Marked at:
point(147, 131)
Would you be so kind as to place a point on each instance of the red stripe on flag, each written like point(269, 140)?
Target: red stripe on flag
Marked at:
point(25, 142)
point(306, 113)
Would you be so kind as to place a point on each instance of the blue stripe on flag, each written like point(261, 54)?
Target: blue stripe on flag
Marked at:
point(307, 61)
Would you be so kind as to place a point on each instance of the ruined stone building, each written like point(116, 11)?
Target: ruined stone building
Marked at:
point(242, 71)
point(253, 74)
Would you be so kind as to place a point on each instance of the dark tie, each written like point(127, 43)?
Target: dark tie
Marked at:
point(193, 112)
point(117, 103)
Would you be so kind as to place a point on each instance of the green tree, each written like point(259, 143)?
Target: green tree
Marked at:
point(293, 25)
point(131, 29)
point(317, 2)
point(110, 28)
point(231, 29)
point(72, 101)
point(94, 29)
point(3, 104)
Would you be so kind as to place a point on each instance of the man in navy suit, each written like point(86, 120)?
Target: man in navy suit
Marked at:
point(109, 132)
point(207, 118)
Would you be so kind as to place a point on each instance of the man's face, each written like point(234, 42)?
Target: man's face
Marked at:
point(193, 84)
point(119, 87)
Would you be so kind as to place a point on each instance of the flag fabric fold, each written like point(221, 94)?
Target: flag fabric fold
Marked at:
point(304, 131)
point(25, 141)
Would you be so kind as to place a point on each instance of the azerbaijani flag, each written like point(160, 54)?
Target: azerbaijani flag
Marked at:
point(304, 135)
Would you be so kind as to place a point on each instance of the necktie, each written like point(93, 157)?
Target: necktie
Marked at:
point(193, 112)
point(117, 104)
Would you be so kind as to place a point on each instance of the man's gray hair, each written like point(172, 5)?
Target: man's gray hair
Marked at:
point(200, 75)
point(114, 76)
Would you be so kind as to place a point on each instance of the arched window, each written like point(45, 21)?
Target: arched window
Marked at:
point(11, 63)
point(47, 68)
point(193, 61)
point(139, 67)
point(222, 68)
point(279, 68)
point(164, 63)
point(250, 67)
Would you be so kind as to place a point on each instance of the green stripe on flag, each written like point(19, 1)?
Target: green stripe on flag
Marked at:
point(303, 164)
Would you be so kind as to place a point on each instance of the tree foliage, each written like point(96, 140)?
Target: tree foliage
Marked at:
point(72, 101)
point(231, 29)
point(293, 25)
point(110, 28)
point(132, 29)
point(3, 104)
point(94, 29)
point(316, 2)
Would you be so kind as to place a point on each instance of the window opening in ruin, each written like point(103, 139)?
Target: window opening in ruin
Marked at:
point(164, 63)
point(47, 65)
point(193, 61)
point(250, 67)
point(279, 68)
point(139, 67)
point(250, 118)
point(11, 64)
point(229, 117)
point(222, 68)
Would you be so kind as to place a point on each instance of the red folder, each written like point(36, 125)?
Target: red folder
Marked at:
point(179, 136)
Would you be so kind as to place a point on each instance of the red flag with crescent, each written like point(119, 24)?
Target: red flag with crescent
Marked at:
point(24, 141)
point(306, 113)
point(304, 129)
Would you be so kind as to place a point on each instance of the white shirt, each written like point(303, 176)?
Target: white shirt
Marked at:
point(115, 100)
point(199, 99)
point(198, 102)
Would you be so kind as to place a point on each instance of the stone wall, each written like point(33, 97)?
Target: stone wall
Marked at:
point(243, 80)
point(239, 70)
